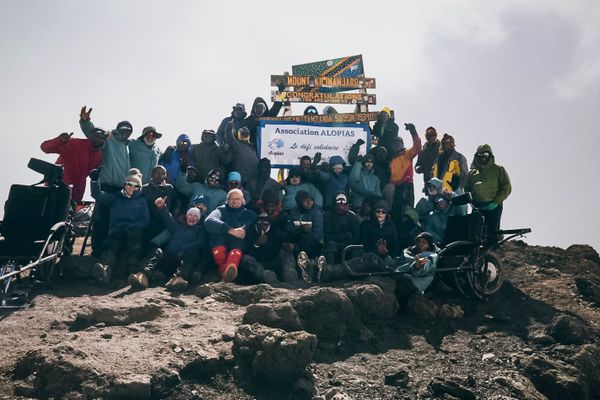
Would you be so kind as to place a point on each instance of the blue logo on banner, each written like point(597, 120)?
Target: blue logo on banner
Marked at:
point(276, 144)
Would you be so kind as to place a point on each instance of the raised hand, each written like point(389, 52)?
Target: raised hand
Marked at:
point(85, 114)
point(160, 202)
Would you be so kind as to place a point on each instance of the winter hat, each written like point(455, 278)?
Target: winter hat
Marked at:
point(380, 154)
point(135, 178)
point(337, 160)
point(201, 199)
point(270, 197)
point(448, 139)
point(209, 131)
point(427, 236)
point(134, 171)
point(217, 172)
point(328, 110)
point(368, 158)
point(341, 196)
point(240, 106)
point(195, 211)
point(264, 163)
point(234, 176)
point(301, 196)
point(159, 167)
point(381, 205)
point(125, 125)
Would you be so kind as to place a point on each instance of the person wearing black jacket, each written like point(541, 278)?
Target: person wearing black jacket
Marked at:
point(386, 130)
point(341, 228)
point(264, 258)
point(235, 122)
point(260, 109)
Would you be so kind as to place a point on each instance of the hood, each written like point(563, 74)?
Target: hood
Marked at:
point(183, 137)
point(337, 160)
point(437, 183)
point(381, 205)
point(300, 197)
point(480, 149)
point(239, 105)
point(294, 171)
point(329, 110)
point(257, 101)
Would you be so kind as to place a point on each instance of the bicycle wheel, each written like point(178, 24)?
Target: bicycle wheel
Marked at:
point(488, 274)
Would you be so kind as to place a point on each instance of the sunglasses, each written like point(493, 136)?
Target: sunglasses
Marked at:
point(486, 154)
point(380, 212)
point(132, 184)
point(341, 201)
point(214, 178)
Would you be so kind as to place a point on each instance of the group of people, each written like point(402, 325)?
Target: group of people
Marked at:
point(170, 216)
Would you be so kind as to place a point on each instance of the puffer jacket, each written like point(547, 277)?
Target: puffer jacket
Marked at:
point(184, 238)
point(143, 157)
point(289, 200)
point(125, 212)
point(487, 183)
point(452, 169)
point(363, 184)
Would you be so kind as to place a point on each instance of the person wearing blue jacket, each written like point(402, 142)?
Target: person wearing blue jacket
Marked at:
point(227, 226)
point(334, 180)
point(177, 158)
point(211, 187)
point(144, 153)
point(363, 182)
point(129, 216)
point(438, 218)
point(183, 253)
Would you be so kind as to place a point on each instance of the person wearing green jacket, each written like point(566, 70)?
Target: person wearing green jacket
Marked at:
point(113, 170)
point(363, 182)
point(489, 185)
point(144, 153)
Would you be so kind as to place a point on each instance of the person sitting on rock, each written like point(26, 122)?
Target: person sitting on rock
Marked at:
point(189, 186)
point(294, 184)
point(342, 228)
point(158, 187)
point(272, 204)
point(265, 259)
point(419, 262)
point(305, 228)
point(227, 226)
point(182, 259)
point(129, 216)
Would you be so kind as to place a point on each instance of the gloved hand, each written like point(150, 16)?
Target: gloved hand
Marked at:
point(411, 128)
point(360, 142)
point(317, 158)
point(94, 174)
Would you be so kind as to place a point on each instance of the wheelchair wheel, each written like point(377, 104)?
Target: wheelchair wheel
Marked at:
point(488, 275)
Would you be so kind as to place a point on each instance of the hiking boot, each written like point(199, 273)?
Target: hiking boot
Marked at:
point(101, 273)
point(321, 262)
point(139, 280)
point(230, 273)
point(304, 265)
point(176, 284)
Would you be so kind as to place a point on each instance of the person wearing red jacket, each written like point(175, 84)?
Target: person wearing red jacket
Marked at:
point(78, 156)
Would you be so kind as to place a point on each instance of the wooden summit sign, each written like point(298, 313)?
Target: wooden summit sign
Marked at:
point(323, 82)
point(327, 118)
point(331, 98)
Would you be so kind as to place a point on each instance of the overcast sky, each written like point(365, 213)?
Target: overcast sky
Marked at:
point(523, 77)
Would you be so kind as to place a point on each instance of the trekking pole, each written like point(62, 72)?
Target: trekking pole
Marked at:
point(87, 232)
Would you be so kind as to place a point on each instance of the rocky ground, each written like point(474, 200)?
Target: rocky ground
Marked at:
point(537, 338)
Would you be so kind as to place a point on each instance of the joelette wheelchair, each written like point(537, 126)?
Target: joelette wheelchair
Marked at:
point(34, 234)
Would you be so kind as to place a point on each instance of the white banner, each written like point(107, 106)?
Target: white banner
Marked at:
point(285, 142)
